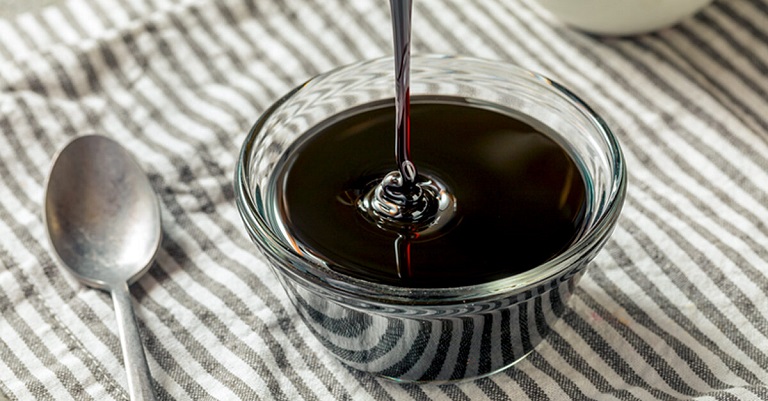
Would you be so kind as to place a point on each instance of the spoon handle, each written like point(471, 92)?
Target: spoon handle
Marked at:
point(139, 383)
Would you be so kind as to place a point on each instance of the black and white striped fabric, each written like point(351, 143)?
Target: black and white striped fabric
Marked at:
point(674, 308)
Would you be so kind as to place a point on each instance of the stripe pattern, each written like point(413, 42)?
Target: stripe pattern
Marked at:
point(675, 306)
point(438, 344)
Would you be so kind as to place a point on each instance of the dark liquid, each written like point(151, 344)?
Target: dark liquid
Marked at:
point(520, 197)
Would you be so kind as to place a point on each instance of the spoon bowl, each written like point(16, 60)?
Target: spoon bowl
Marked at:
point(103, 222)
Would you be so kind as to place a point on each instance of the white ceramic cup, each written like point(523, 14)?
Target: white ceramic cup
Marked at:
point(622, 17)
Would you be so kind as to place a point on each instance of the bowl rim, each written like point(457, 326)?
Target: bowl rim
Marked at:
point(345, 288)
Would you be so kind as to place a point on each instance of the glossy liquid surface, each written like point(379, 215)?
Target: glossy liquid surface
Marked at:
point(520, 197)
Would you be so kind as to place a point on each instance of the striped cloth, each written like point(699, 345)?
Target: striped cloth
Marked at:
point(675, 307)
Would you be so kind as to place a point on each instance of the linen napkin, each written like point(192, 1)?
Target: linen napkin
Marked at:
point(675, 307)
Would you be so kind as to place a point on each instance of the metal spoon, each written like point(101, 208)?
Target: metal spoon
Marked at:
point(103, 220)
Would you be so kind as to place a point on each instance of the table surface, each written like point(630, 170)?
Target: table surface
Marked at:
point(674, 307)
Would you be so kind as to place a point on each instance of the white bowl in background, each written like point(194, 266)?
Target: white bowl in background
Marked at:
point(622, 17)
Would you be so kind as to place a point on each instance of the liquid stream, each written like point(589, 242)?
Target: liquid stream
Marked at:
point(404, 201)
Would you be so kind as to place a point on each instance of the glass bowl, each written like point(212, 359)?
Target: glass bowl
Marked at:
point(430, 334)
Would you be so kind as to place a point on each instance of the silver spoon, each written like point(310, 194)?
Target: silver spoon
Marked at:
point(103, 220)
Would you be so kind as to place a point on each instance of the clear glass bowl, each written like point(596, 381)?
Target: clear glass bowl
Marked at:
point(430, 334)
